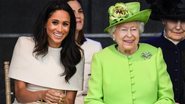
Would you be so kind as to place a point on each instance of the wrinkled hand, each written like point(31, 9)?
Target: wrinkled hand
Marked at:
point(54, 96)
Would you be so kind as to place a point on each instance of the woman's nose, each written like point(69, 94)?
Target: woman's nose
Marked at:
point(59, 28)
point(129, 33)
point(178, 25)
point(76, 14)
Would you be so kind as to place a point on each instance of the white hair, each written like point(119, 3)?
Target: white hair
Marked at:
point(141, 28)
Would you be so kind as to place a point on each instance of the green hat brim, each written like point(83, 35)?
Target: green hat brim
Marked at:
point(141, 16)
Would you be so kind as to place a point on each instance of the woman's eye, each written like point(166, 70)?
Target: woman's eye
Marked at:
point(123, 29)
point(80, 11)
point(55, 22)
point(65, 24)
point(134, 29)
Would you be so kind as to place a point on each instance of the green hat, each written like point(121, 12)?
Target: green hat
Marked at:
point(126, 12)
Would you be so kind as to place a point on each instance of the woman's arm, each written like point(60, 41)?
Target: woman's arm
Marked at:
point(24, 96)
point(95, 91)
point(70, 97)
point(165, 91)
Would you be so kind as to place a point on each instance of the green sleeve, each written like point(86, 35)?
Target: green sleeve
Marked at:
point(95, 93)
point(165, 91)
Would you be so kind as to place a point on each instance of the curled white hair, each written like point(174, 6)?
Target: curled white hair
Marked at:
point(141, 28)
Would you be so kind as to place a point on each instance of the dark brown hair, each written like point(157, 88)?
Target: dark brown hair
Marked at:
point(70, 54)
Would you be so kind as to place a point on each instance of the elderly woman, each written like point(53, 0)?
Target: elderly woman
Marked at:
point(129, 72)
point(171, 41)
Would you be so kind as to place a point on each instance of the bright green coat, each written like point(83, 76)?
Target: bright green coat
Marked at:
point(137, 79)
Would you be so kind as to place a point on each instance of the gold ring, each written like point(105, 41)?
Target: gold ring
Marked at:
point(61, 100)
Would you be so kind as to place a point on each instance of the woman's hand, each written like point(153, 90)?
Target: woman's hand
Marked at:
point(50, 96)
point(54, 96)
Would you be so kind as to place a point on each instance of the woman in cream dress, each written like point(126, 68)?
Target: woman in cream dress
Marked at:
point(48, 67)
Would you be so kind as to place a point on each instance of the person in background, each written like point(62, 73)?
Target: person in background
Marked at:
point(172, 41)
point(48, 67)
point(129, 72)
point(89, 46)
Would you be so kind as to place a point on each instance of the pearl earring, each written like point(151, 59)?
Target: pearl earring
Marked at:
point(113, 38)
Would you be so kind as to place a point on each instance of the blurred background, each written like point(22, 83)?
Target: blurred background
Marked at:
point(18, 16)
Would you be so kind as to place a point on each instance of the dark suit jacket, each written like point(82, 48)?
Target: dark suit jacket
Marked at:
point(174, 56)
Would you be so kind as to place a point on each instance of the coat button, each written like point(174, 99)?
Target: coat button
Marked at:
point(176, 89)
point(131, 70)
point(133, 91)
point(132, 77)
point(176, 79)
point(129, 57)
point(130, 63)
point(176, 69)
point(132, 83)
